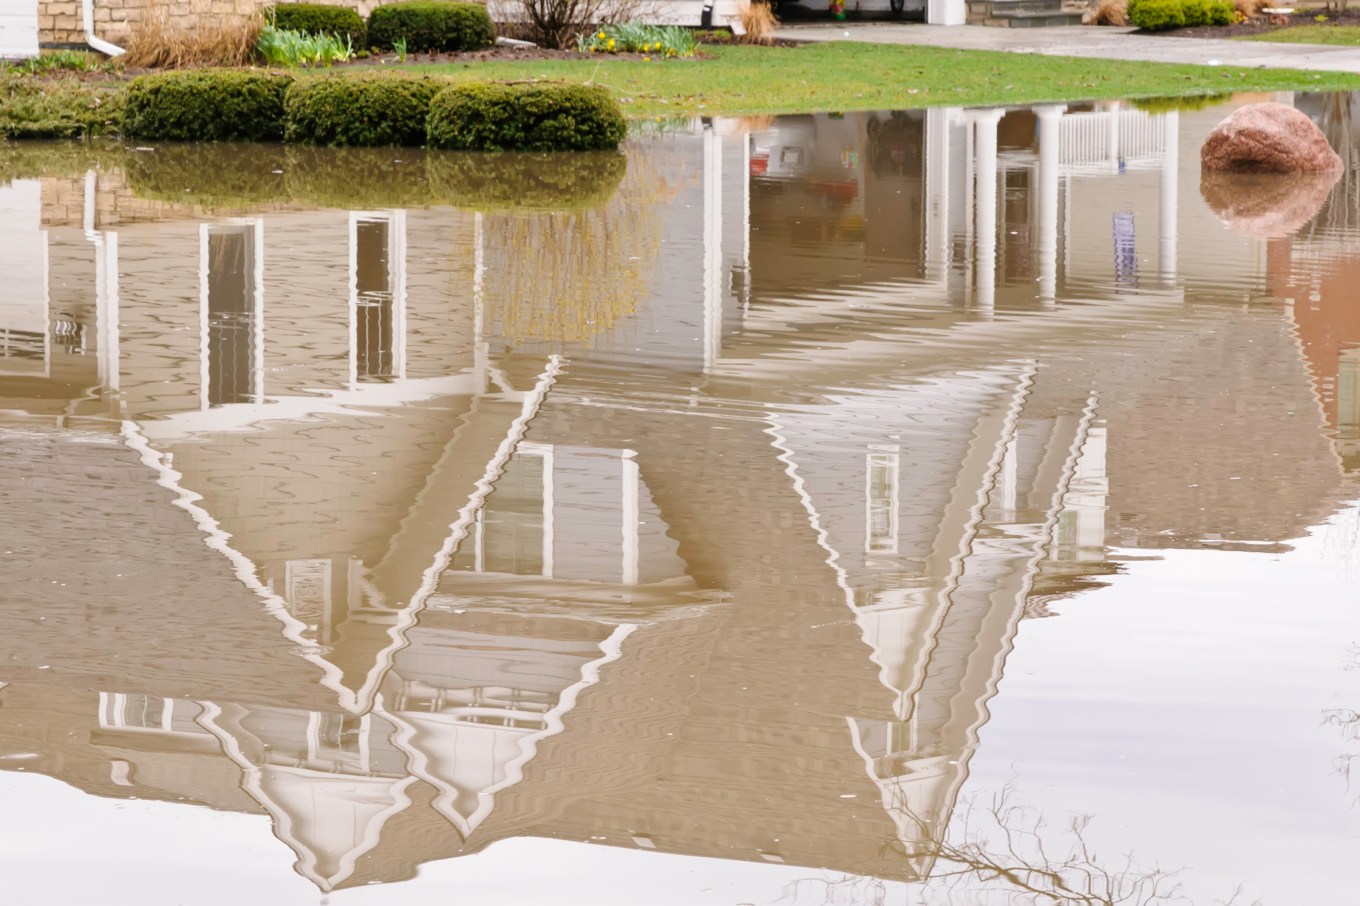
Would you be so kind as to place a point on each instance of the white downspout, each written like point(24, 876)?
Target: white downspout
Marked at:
point(99, 44)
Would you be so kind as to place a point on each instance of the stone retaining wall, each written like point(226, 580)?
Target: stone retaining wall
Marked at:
point(60, 22)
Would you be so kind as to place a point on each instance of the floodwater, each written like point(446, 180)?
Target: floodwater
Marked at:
point(956, 506)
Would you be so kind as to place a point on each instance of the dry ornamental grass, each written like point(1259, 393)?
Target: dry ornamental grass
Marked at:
point(759, 20)
point(1110, 12)
point(158, 43)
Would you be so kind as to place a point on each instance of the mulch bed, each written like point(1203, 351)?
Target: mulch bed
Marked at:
point(1263, 24)
point(493, 54)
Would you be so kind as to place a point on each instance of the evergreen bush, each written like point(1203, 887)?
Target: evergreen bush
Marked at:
point(529, 117)
point(363, 110)
point(206, 105)
point(1157, 15)
point(431, 25)
point(320, 19)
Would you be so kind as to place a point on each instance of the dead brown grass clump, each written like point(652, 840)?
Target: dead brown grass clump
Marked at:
point(758, 19)
point(1250, 9)
point(1110, 12)
point(157, 42)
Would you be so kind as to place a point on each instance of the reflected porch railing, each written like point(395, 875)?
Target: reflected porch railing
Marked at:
point(1108, 139)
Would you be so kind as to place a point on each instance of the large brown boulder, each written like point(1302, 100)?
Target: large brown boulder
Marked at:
point(1268, 138)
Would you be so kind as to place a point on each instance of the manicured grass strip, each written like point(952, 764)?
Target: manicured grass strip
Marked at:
point(1342, 35)
point(740, 80)
point(849, 76)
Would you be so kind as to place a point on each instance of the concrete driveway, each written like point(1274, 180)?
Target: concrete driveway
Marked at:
point(1104, 43)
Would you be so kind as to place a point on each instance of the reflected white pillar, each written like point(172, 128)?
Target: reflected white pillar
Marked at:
point(712, 246)
point(746, 142)
point(1050, 157)
point(940, 123)
point(396, 270)
point(480, 352)
point(1169, 197)
point(105, 295)
point(985, 123)
point(1112, 135)
point(631, 481)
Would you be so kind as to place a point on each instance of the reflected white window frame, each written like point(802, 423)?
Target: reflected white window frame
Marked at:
point(544, 452)
point(318, 749)
point(1348, 393)
point(113, 714)
point(888, 459)
point(297, 572)
point(396, 281)
point(256, 232)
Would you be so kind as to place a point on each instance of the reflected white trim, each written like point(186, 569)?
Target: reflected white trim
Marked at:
point(361, 700)
point(611, 649)
point(286, 826)
point(361, 400)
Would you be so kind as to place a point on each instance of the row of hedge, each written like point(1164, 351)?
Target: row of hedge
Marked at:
point(370, 109)
point(1162, 15)
point(425, 25)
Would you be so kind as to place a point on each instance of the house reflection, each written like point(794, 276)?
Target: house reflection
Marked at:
point(707, 570)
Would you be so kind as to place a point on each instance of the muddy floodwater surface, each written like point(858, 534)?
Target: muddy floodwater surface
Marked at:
point(954, 506)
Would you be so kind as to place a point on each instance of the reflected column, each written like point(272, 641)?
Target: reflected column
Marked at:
point(712, 245)
point(1169, 197)
point(105, 297)
point(940, 147)
point(985, 123)
point(1050, 158)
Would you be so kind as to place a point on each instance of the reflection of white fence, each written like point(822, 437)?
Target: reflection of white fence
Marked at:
point(1102, 140)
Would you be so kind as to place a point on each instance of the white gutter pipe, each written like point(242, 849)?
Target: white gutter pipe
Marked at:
point(99, 44)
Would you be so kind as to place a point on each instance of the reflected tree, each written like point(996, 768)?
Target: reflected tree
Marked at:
point(570, 276)
point(1001, 852)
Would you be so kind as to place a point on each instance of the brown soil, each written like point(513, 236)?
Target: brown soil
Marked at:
point(1263, 24)
point(492, 53)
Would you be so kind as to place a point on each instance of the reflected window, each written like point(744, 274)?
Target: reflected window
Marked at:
point(340, 734)
point(881, 500)
point(512, 534)
point(308, 591)
point(119, 711)
point(1348, 405)
point(377, 251)
point(232, 301)
point(26, 345)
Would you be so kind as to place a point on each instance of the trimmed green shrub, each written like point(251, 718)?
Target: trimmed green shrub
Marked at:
point(1157, 15)
point(432, 25)
point(1221, 12)
point(206, 105)
point(361, 110)
point(531, 117)
point(319, 19)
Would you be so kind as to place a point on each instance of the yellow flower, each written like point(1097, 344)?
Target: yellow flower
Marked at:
point(611, 43)
point(600, 36)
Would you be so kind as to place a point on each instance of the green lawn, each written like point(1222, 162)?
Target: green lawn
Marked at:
point(739, 80)
point(1344, 35)
point(849, 76)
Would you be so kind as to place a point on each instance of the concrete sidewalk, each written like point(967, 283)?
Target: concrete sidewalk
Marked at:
point(1101, 43)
